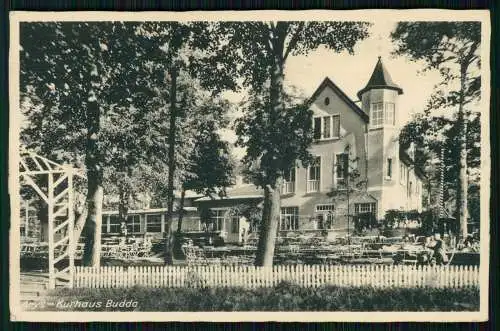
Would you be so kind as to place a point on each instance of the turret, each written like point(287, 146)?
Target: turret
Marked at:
point(379, 98)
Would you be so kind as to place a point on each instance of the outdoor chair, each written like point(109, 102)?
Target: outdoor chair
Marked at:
point(194, 255)
point(144, 250)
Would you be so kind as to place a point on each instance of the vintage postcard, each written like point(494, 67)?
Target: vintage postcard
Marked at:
point(249, 166)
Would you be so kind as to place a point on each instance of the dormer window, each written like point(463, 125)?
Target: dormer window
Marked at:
point(326, 127)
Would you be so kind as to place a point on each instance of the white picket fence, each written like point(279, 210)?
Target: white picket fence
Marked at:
point(253, 277)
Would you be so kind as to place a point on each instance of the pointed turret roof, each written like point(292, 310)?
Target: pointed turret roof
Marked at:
point(380, 79)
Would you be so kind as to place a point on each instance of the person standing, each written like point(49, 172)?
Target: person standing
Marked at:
point(439, 251)
point(123, 232)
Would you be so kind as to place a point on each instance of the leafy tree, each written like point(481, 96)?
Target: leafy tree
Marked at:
point(453, 48)
point(275, 137)
point(434, 134)
point(209, 168)
point(72, 73)
point(352, 184)
point(177, 49)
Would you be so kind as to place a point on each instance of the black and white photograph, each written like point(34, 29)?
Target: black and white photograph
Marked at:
point(262, 165)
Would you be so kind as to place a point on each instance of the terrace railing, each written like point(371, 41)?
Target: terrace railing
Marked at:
point(288, 188)
point(253, 277)
point(313, 186)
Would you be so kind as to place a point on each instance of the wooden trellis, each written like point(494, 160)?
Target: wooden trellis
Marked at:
point(58, 195)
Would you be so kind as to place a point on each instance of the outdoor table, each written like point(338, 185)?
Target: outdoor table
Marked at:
point(245, 250)
point(328, 258)
point(213, 251)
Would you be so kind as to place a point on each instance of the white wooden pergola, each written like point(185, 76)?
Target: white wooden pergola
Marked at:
point(58, 194)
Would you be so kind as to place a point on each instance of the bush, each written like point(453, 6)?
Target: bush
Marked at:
point(283, 297)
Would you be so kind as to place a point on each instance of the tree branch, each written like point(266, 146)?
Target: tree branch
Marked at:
point(269, 44)
point(293, 41)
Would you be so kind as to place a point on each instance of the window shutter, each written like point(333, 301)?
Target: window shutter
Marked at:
point(336, 126)
point(317, 128)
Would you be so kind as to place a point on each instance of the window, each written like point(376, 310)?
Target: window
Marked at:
point(114, 224)
point(377, 114)
point(289, 219)
point(22, 231)
point(403, 173)
point(326, 127)
point(360, 208)
point(134, 224)
point(327, 101)
point(389, 167)
point(389, 113)
point(289, 182)
point(235, 224)
point(104, 225)
point(341, 168)
point(153, 223)
point(320, 208)
point(217, 219)
point(313, 175)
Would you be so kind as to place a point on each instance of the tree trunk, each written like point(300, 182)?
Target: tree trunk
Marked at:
point(181, 211)
point(93, 162)
point(79, 225)
point(93, 227)
point(272, 199)
point(269, 226)
point(169, 242)
point(123, 204)
point(462, 165)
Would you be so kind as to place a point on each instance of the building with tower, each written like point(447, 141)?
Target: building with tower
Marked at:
point(393, 179)
point(349, 138)
point(359, 137)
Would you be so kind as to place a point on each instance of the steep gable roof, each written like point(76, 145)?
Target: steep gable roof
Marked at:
point(327, 82)
point(380, 79)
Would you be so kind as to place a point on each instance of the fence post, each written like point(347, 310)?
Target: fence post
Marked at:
point(335, 278)
point(112, 276)
point(119, 281)
point(75, 277)
point(341, 275)
point(102, 277)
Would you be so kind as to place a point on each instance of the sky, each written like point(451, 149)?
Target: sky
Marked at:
point(352, 72)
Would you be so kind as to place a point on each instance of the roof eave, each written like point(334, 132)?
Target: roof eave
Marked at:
point(372, 87)
point(328, 82)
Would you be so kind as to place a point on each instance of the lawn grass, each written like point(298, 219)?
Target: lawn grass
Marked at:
point(283, 297)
